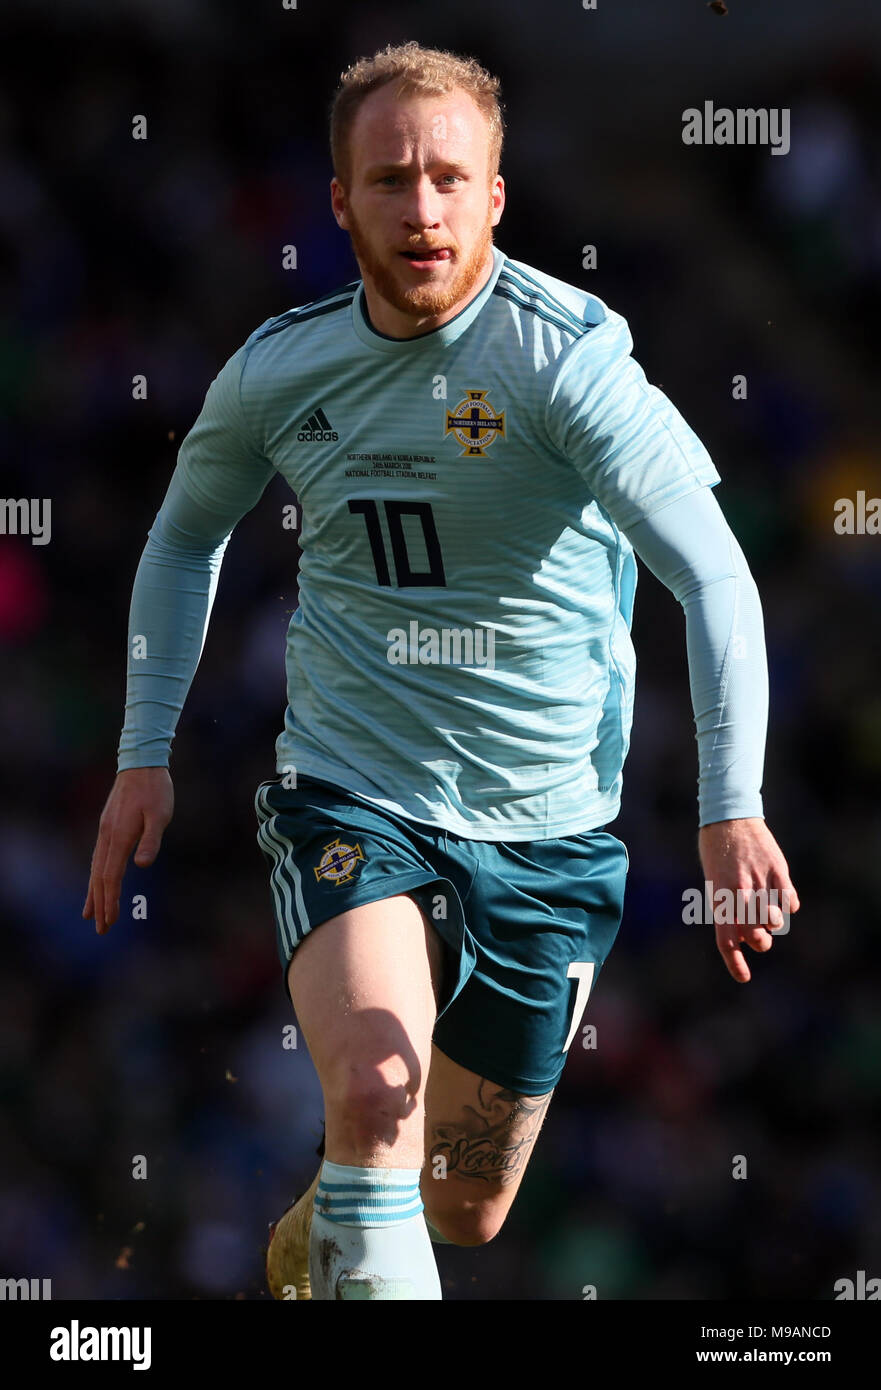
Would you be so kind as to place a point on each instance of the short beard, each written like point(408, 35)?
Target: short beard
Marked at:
point(422, 301)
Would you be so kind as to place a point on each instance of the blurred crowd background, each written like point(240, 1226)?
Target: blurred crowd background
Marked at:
point(164, 1039)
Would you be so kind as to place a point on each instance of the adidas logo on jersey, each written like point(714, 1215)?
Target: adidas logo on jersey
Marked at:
point(317, 429)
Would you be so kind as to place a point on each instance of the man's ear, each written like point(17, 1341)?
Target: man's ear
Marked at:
point(339, 203)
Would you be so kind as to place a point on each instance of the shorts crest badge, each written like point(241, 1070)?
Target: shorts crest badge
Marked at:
point(339, 863)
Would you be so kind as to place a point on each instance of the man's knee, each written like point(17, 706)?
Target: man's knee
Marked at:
point(473, 1223)
point(371, 1102)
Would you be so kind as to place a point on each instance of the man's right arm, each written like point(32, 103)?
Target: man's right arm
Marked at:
point(220, 475)
point(172, 598)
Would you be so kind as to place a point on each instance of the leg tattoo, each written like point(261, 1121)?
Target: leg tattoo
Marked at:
point(493, 1139)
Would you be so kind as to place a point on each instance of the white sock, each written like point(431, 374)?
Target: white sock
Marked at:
point(369, 1239)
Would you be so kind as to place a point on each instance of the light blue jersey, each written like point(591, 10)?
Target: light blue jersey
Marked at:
point(461, 652)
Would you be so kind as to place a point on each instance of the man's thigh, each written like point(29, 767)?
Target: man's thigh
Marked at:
point(479, 1137)
point(364, 987)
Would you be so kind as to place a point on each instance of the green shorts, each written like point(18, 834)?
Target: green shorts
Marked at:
point(527, 924)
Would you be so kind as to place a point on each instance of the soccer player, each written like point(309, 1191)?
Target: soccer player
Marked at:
point(478, 459)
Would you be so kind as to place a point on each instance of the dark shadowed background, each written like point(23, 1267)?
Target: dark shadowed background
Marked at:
point(164, 1039)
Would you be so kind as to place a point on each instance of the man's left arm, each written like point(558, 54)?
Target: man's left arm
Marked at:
point(690, 548)
point(652, 475)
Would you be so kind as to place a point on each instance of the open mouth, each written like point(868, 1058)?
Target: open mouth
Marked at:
point(441, 253)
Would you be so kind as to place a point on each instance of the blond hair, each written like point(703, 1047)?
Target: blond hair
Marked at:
point(419, 72)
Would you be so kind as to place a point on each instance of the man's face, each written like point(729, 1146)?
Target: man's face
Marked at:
point(420, 206)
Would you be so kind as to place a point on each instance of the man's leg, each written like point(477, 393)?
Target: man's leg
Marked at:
point(478, 1140)
point(363, 985)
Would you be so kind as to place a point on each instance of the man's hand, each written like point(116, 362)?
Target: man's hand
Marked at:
point(743, 855)
point(137, 811)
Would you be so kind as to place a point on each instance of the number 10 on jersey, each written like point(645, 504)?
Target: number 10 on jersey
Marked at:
point(405, 576)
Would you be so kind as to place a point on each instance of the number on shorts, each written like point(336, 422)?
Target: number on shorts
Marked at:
point(582, 971)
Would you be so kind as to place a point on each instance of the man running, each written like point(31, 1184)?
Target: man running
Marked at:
point(478, 459)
